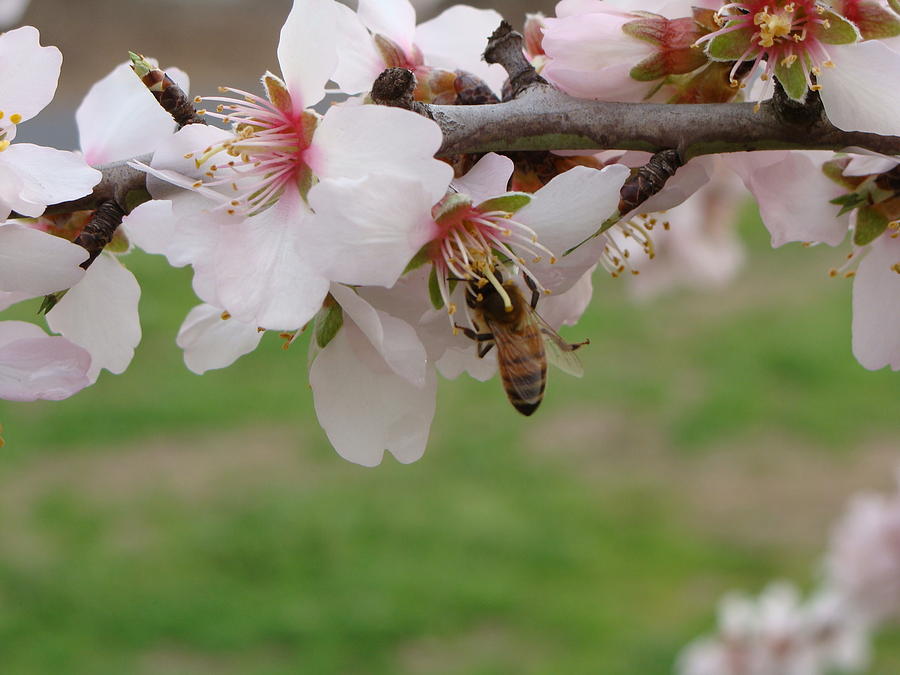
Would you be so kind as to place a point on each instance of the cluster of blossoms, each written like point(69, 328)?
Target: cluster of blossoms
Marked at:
point(340, 220)
point(780, 633)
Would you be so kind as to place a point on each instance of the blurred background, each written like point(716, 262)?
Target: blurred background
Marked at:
point(162, 522)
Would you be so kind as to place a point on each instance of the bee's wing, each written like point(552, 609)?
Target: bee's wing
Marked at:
point(521, 359)
point(559, 352)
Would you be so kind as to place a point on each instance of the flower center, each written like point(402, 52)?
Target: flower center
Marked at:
point(473, 243)
point(773, 26)
point(267, 152)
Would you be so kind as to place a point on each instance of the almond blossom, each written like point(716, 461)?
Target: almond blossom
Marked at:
point(807, 45)
point(247, 211)
point(779, 634)
point(383, 34)
point(34, 365)
point(863, 560)
point(32, 176)
point(801, 196)
point(618, 51)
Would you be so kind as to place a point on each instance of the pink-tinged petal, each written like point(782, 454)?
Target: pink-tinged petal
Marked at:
point(151, 227)
point(307, 50)
point(359, 62)
point(606, 84)
point(258, 271)
point(687, 180)
point(170, 165)
point(793, 195)
point(210, 342)
point(364, 407)
point(36, 366)
point(366, 231)
point(36, 263)
point(394, 19)
point(101, 314)
point(119, 119)
point(866, 165)
point(47, 176)
point(457, 38)
point(28, 73)
point(565, 309)
point(566, 8)
point(565, 212)
point(856, 93)
point(876, 306)
point(488, 178)
point(356, 141)
point(394, 340)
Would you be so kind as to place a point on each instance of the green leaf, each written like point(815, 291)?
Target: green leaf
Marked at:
point(509, 202)
point(848, 202)
point(731, 46)
point(870, 225)
point(50, 301)
point(792, 79)
point(895, 5)
point(328, 322)
point(839, 31)
point(434, 290)
point(418, 259)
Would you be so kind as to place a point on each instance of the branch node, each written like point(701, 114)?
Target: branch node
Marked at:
point(506, 47)
point(395, 88)
point(649, 179)
point(100, 230)
point(168, 94)
point(807, 113)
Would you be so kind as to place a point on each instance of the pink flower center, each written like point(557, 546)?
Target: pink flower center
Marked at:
point(472, 243)
point(268, 151)
point(782, 33)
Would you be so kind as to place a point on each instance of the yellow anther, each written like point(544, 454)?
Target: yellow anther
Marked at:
point(225, 316)
point(15, 118)
point(451, 309)
point(4, 144)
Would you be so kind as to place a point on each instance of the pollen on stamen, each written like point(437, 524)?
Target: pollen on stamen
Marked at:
point(451, 309)
point(225, 316)
point(15, 118)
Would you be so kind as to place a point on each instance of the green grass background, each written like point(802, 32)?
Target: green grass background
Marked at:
point(162, 522)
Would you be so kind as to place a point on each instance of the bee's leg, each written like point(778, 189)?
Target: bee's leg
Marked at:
point(577, 345)
point(535, 293)
point(485, 340)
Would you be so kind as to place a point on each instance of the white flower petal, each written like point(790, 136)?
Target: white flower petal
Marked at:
point(793, 195)
point(488, 178)
point(394, 19)
point(11, 11)
point(258, 271)
point(28, 73)
point(394, 340)
point(457, 38)
point(856, 92)
point(119, 119)
point(364, 407)
point(47, 176)
point(151, 227)
point(211, 342)
point(565, 212)
point(101, 314)
point(36, 263)
point(356, 141)
point(365, 231)
point(359, 62)
point(307, 50)
point(35, 366)
point(876, 306)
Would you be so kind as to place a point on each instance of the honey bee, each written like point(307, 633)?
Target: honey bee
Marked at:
point(524, 341)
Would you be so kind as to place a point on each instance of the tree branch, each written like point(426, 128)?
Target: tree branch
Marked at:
point(543, 118)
